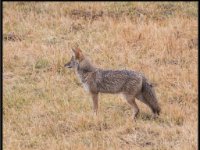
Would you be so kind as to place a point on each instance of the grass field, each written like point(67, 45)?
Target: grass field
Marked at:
point(44, 104)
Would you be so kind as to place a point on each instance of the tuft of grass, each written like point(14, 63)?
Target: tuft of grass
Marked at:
point(41, 63)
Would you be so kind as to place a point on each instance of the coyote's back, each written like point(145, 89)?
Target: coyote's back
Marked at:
point(118, 81)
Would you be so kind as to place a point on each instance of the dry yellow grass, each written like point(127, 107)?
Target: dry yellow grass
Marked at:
point(44, 105)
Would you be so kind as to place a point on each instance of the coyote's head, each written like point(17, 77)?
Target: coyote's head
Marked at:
point(75, 59)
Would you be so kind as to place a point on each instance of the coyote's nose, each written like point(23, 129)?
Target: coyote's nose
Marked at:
point(67, 65)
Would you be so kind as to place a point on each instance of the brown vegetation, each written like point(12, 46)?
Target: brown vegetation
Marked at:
point(44, 105)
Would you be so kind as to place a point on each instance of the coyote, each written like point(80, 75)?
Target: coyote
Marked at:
point(130, 83)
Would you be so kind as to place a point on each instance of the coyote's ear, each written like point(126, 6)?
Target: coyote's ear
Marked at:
point(78, 53)
point(73, 52)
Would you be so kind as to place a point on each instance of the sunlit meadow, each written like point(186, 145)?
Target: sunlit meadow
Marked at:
point(46, 107)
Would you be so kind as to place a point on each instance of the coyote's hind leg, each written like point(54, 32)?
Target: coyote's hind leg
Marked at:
point(131, 100)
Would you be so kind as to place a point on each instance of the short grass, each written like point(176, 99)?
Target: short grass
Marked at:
point(44, 104)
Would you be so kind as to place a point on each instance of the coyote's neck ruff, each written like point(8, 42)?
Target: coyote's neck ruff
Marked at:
point(84, 70)
point(130, 83)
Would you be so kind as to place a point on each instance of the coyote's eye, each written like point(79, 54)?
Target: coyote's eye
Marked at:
point(71, 63)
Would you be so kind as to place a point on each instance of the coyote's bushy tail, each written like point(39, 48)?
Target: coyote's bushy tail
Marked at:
point(149, 96)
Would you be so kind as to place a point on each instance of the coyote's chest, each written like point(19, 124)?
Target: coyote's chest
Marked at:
point(84, 79)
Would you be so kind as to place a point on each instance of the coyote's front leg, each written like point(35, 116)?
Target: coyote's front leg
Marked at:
point(95, 102)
